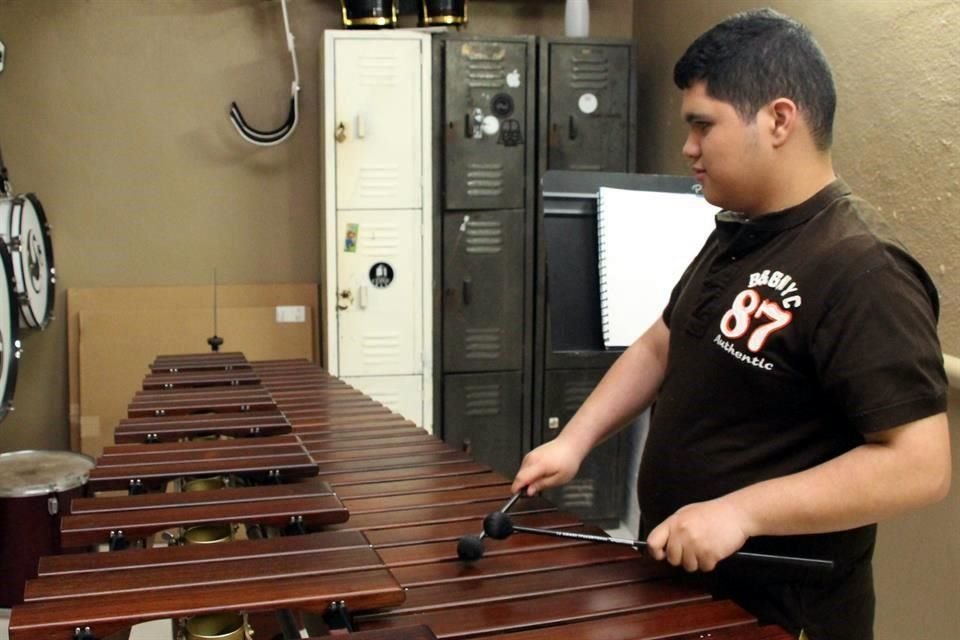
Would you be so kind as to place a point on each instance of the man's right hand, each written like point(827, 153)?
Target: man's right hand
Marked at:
point(549, 465)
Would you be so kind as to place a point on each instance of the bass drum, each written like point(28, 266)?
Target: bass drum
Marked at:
point(24, 228)
point(9, 333)
point(442, 12)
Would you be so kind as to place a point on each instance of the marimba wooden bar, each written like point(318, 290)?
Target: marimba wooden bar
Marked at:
point(93, 520)
point(108, 592)
point(271, 458)
point(152, 429)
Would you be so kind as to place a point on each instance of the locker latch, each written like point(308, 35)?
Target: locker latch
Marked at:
point(346, 299)
point(341, 133)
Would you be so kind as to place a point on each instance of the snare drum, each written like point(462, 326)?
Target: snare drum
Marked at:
point(24, 229)
point(439, 12)
point(369, 13)
point(9, 333)
point(35, 489)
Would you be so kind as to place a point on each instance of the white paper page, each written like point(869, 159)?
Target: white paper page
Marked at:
point(647, 239)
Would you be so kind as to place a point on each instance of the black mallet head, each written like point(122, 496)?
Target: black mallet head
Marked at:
point(470, 548)
point(498, 525)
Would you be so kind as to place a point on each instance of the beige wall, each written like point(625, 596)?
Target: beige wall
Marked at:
point(897, 66)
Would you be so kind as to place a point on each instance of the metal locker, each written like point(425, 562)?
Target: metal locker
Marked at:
point(485, 129)
point(377, 124)
point(402, 394)
point(483, 291)
point(483, 416)
point(597, 492)
point(379, 293)
point(589, 107)
point(377, 218)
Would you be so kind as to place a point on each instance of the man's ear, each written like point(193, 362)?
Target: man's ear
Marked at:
point(783, 119)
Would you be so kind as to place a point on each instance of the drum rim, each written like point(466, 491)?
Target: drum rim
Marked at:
point(10, 361)
point(28, 315)
point(72, 481)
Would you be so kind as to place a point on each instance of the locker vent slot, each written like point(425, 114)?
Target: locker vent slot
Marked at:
point(485, 65)
point(378, 180)
point(483, 400)
point(483, 344)
point(381, 349)
point(485, 180)
point(379, 71)
point(579, 494)
point(590, 70)
point(574, 394)
point(380, 240)
point(386, 398)
point(484, 236)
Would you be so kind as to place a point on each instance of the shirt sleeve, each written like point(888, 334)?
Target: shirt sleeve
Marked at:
point(877, 351)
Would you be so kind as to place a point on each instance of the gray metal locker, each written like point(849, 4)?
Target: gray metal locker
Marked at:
point(483, 415)
point(485, 129)
point(589, 104)
point(587, 89)
point(597, 493)
point(483, 291)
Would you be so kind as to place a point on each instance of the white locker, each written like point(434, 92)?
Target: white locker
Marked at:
point(380, 291)
point(377, 315)
point(377, 120)
point(401, 393)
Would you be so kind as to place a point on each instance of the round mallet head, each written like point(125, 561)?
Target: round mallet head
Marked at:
point(470, 548)
point(498, 525)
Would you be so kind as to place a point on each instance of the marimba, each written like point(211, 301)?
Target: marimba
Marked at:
point(374, 505)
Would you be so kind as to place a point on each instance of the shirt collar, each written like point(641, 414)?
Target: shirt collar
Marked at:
point(737, 235)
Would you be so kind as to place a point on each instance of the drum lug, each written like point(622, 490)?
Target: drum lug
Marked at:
point(118, 541)
point(53, 505)
point(84, 633)
point(338, 616)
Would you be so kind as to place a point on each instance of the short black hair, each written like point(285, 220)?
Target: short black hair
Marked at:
point(757, 56)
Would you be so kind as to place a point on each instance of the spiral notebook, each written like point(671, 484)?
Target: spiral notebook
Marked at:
point(645, 241)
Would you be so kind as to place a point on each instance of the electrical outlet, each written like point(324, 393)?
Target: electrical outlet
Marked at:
point(291, 314)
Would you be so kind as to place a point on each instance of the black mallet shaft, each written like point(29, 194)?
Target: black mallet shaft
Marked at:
point(499, 525)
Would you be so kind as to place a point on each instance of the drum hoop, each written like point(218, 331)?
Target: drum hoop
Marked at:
point(447, 19)
point(72, 481)
point(370, 21)
point(9, 360)
point(16, 225)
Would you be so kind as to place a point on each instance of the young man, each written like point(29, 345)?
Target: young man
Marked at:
point(796, 375)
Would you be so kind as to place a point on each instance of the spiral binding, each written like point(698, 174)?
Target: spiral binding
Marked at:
point(602, 268)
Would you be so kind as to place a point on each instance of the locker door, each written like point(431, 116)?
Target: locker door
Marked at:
point(485, 107)
point(482, 291)
point(482, 414)
point(379, 289)
point(589, 98)
point(597, 492)
point(378, 123)
point(401, 394)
